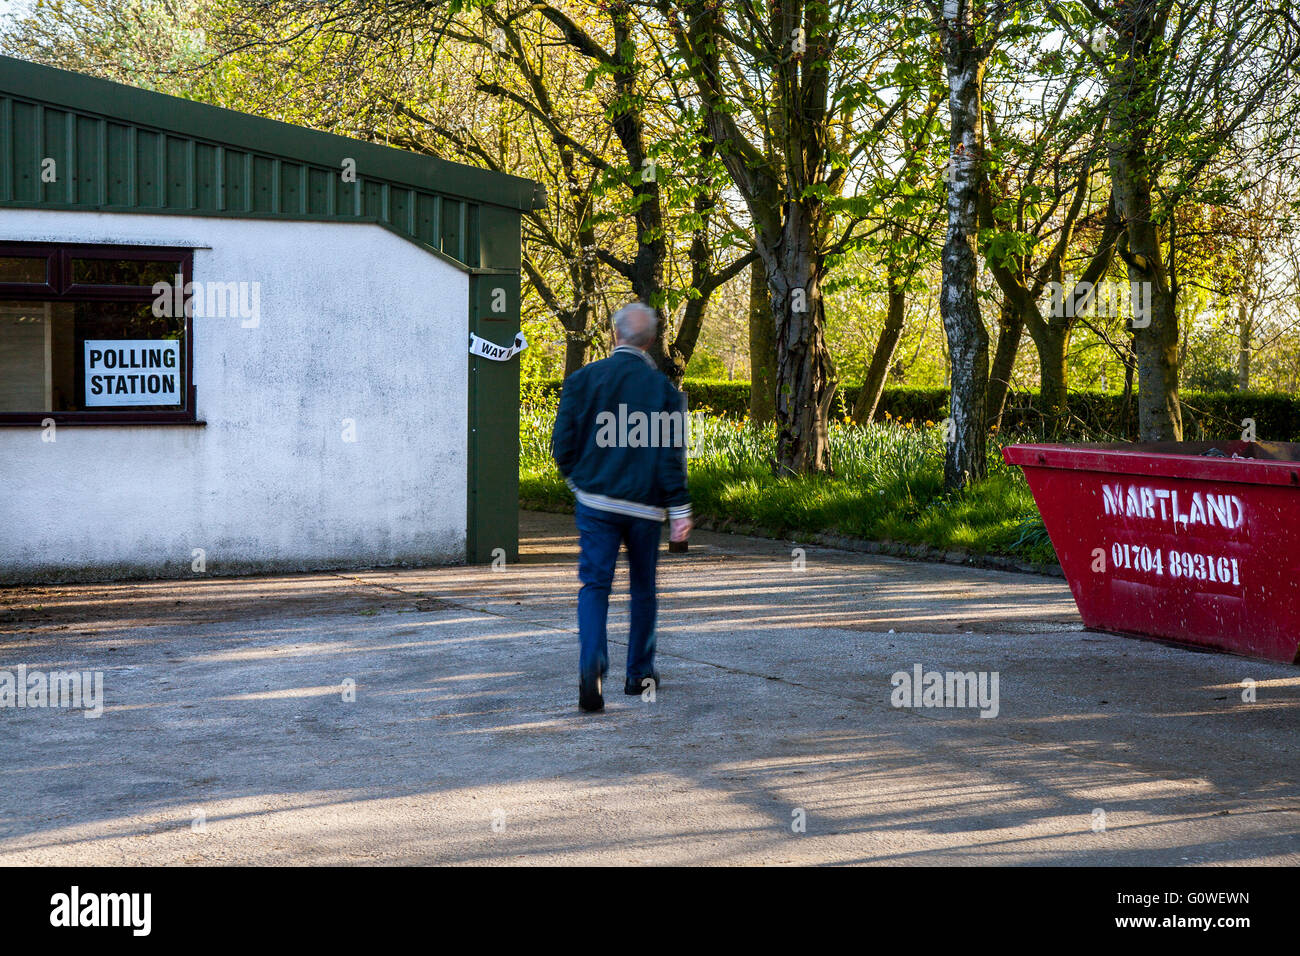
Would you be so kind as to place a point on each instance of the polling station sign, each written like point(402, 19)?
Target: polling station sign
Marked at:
point(133, 372)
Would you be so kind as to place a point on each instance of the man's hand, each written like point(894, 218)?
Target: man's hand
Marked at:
point(680, 529)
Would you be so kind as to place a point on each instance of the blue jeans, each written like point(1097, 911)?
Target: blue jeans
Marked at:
point(599, 535)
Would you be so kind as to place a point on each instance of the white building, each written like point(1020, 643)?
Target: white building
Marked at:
point(302, 397)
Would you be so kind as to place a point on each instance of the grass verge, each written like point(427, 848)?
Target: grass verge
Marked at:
point(887, 487)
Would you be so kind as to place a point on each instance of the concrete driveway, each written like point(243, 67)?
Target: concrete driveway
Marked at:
point(228, 735)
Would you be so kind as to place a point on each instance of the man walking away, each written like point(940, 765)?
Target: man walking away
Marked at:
point(620, 443)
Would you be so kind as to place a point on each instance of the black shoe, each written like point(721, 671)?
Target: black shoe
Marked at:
point(635, 688)
point(590, 698)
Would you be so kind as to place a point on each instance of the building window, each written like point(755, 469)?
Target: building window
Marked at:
point(86, 337)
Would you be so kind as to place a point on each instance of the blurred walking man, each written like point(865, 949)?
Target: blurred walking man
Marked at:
point(620, 443)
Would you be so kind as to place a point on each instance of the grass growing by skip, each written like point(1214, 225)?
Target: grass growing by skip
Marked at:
point(887, 486)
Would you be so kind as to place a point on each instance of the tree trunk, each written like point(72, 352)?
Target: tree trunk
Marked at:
point(805, 375)
point(575, 351)
point(647, 268)
point(873, 386)
point(1130, 366)
point(784, 200)
point(1011, 326)
point(1159, 413)
point(965, 433)
point(688, 330)
point(584, 274)
point(762, 348)
point(1052, 339)
point(1243, 345)
point(1155, 320)
point(678, 354)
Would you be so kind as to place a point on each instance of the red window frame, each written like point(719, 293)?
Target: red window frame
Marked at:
point(59, 287)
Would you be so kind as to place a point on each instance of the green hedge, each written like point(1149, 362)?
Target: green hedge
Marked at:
point(1093, 415)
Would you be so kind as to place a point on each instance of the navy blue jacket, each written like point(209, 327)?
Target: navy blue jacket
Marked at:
point(620, 437)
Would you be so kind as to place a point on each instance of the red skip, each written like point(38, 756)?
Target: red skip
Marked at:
point(1158, 539)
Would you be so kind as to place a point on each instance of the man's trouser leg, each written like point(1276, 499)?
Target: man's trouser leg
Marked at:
point(599, 534)
point(642, 538)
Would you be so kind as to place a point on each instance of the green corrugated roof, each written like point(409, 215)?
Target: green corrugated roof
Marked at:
point(119, 148)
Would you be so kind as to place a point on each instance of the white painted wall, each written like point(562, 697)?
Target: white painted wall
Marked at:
point(356, 323)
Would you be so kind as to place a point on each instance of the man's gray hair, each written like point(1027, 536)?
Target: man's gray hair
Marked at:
point(635, 324)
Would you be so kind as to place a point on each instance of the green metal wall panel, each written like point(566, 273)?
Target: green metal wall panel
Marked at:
point(148, 169)
point(451, 230)
point(372, 199)
point(53, 126)
point(112, 166)
point(472, 254)
point(177, 172)
point(88, 174)
point(291, 191)
point(426, 219)
point(186, 119)
point(207, 187)
point(235, 174)
point(400, 209)
point(23, 170)
point(119, 150)
point(493, 505)
point(318, 192)
point(263, 184)
point(498, 238)
point(131, 159)
point(345, 197)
